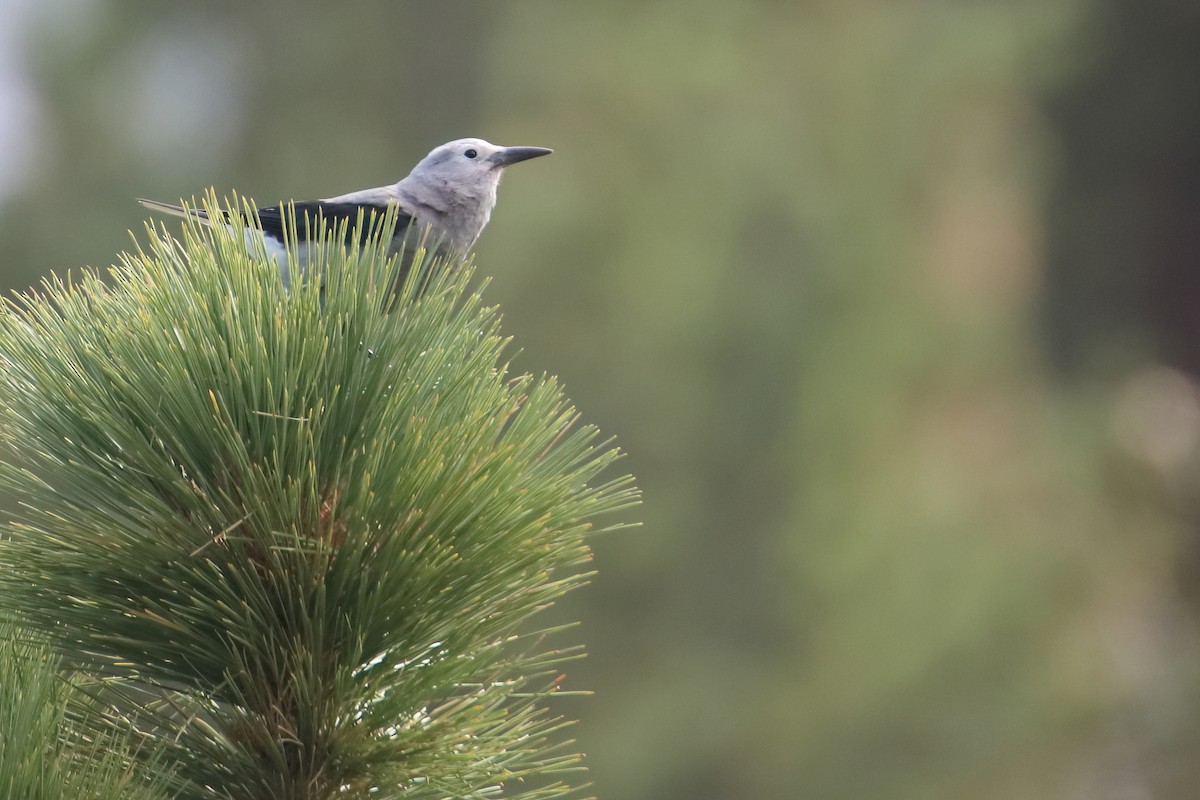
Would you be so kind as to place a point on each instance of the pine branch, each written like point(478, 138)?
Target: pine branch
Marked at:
point(43, 756)
point(296, 537)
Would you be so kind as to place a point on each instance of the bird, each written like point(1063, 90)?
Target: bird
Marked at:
point(451, 191)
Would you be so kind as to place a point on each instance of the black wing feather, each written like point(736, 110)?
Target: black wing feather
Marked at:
point(307, 213)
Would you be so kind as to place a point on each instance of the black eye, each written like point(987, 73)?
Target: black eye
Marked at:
point(470, 154)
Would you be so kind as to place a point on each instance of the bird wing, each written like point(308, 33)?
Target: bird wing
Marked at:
point(272, 221)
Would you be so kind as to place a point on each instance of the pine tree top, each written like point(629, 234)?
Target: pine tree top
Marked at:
point(295, 537)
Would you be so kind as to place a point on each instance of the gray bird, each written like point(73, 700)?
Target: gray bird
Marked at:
point(452, 190)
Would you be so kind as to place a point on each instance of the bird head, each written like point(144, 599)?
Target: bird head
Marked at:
point(470, 166)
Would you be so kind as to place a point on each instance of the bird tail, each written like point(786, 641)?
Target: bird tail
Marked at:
point(176, 211)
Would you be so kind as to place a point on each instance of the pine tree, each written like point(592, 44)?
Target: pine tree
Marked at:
point(288, 543)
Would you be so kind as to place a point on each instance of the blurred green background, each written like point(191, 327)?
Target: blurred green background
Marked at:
point(895, 305)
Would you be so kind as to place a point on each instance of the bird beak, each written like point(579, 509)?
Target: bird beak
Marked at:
point(511, 155)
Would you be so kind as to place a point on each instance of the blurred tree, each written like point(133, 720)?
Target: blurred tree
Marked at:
point(1123, 242)
point(1123, 245)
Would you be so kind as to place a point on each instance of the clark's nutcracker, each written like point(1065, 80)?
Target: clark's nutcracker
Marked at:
point(452, 191)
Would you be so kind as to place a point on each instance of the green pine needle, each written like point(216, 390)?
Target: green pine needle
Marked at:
point(43, 756)
point(295, 537)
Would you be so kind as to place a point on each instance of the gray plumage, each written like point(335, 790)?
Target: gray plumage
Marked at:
point(452, 191)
